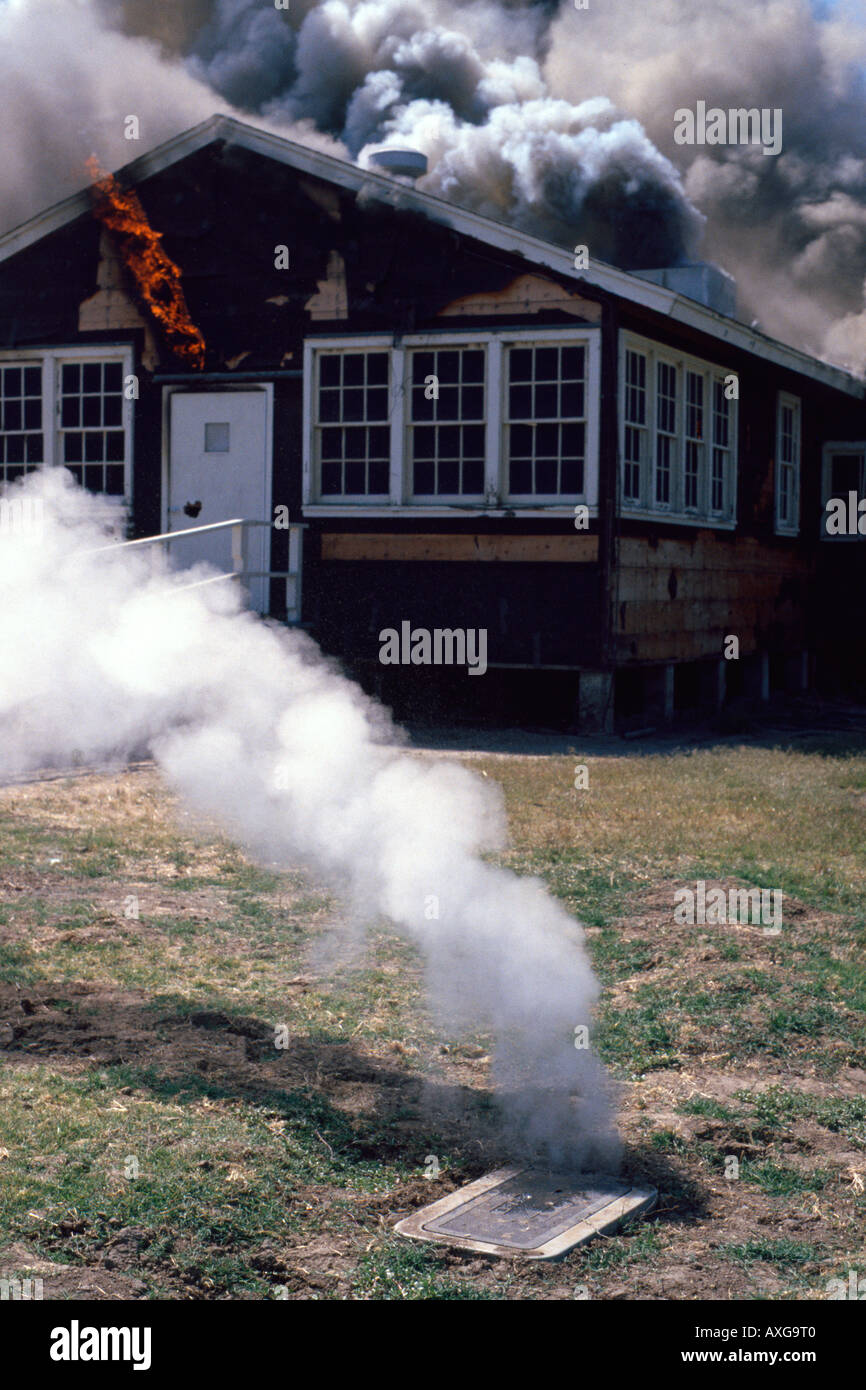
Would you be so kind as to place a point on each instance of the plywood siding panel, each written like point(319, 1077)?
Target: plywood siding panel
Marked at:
point(755, 590)
point(515, 549)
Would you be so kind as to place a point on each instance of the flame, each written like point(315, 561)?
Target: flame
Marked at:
point(155, 273)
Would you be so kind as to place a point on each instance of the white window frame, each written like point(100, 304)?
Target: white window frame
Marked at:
point(644, 462)
point(847, 446)
point(496, 501)
point(785, 400)
point(674, 512)
point(491, 395)
point(50, 361)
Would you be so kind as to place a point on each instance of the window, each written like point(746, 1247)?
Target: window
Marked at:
point(635, 448)
point(21, 439)
point(721, 469)
point(67, 407)
point(844, 484)
point(666, 431)
point(217, 437)
point(788, 465)
point(546, 421)
point(352, 429)
point(92, 437)
point(678, 436)
point(694, 462)
point(448, 421)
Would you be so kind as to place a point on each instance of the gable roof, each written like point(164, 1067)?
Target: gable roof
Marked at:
point(485, 229)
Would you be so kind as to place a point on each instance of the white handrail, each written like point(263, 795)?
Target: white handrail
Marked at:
point(166, 536)
point(239, 569)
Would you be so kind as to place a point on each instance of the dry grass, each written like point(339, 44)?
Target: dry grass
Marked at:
point(269, 1172)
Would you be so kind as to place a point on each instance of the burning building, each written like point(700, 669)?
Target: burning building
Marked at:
point(426, 416)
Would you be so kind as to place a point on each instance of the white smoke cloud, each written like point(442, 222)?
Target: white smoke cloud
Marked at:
point(102, 654)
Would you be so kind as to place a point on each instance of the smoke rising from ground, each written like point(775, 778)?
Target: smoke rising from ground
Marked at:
point(103, 655)
point(556, 119)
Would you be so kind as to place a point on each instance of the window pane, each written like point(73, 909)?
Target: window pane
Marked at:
point(356, 476)
point(329, 407)
point(448, 403)
point(216, 437)
point(35, 448)
point(572, 363)
point(547, 364)
point(92, 377)
point(353, 369)
point(379, 469)
point(113, 376)
point(377, 404)
point(473, 366)
point(520, 475)
point(114, 450)
point(845, 474)
point(546, 402)
point(423, 365)
point(473, 477)
point(520, 362)
point(448, 366)
point(332, 475)
point(377, 369)
point(94, 446)
point(571, 478)
point(545, 476)
point(329, 371)
point(425, 473)
point(449, 476)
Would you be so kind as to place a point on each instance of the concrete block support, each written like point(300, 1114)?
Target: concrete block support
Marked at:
point(595, 702)
point(756, 676)
point(797, 671)
point(659, 693)
point(712, 684)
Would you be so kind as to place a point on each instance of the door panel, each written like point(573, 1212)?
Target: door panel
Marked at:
point(219, 469)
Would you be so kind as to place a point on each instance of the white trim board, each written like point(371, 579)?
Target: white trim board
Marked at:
point(403, 195)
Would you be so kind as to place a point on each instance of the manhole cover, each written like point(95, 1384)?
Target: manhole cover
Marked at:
point(527, 1211)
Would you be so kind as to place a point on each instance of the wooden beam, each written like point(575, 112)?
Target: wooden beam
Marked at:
point(581, 550)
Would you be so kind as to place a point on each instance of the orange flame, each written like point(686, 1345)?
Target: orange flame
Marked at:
point(157, 277)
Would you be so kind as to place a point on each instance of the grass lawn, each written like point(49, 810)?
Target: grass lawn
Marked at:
point(210, 1088)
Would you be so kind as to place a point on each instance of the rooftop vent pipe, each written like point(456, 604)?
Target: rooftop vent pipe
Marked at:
point(405, 164)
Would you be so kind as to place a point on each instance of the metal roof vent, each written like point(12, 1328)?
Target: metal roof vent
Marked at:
point(403, 164)
point(699, 280)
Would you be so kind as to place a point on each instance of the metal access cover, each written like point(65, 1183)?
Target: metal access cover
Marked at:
point(529, 1212)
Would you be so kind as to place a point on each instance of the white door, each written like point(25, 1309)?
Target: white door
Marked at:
point(219, 469)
